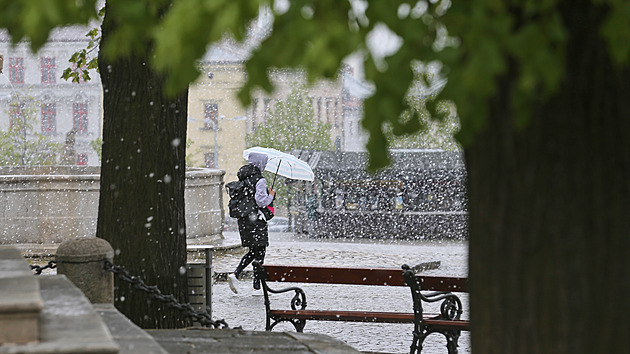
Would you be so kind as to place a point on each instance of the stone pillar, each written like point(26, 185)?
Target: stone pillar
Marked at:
point(81, 260)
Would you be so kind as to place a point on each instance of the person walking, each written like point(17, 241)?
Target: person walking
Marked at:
point(253, 228)
point(311, 210)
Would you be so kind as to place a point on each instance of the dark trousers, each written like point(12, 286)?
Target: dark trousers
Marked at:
point(255, 253)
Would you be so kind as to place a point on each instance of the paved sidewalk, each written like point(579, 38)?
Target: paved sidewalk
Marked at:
point(247, 311)
point(288, 248)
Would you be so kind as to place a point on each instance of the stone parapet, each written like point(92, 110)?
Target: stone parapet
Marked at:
point(47, 205)
point(130, 338)
point(20, 300)
point(69, 323)
point(204, 204)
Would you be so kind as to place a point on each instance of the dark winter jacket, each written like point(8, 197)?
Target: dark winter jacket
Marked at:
point(253, 230)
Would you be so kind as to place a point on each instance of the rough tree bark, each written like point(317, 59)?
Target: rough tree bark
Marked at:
point(141, 207)
point(549, 225)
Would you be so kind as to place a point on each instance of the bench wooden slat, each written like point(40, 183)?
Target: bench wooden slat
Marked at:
point(441, 288)
point(448, 324)
point(360, 276)
point(331, 275)
point(348, 316)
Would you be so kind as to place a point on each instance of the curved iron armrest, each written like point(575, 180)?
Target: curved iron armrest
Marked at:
point(451, 308)
point(298, 300)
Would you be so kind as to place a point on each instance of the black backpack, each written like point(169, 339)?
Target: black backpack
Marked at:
point(242, 202)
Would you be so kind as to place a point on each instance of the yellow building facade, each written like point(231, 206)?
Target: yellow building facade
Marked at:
point(218, 123)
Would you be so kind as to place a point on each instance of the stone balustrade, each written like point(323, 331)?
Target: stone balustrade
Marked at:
point(50, 204)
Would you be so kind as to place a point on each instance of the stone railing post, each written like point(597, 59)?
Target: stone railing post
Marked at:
point(81, 260)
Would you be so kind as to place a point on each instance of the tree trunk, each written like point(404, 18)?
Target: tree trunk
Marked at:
point(549, 220)
point(141, 207)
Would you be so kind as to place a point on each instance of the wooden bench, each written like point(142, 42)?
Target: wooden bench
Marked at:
point(447, 322)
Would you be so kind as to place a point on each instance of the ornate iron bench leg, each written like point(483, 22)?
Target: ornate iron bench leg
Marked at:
point(422, 336)
point(416, 344)
point(297, 324)
point(452, 337)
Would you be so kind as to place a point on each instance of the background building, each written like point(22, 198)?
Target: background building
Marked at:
point(218, 123)
point(34, 80)
point(422, 195)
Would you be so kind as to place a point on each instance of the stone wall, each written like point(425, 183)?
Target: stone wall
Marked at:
point(53, 204)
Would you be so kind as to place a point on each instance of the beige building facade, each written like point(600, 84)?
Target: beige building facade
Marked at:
point(218, 123)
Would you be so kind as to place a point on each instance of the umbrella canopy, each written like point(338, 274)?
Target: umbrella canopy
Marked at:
point(283, 164)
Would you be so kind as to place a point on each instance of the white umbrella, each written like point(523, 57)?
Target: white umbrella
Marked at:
point(283, 164)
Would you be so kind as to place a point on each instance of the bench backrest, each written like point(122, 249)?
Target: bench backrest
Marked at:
point(359, 276)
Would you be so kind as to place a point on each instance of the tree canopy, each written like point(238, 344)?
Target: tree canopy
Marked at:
point(473, 41)
point(291, 125)
point(433, 133)
point(541, 91)
point(21, 144)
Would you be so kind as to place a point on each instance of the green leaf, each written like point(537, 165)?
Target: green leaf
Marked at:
point(616, 31)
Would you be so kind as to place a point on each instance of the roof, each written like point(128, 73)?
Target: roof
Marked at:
point(405, 163)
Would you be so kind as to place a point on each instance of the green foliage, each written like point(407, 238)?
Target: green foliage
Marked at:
point(34, 19)
point(433, 133)
point(617, 31)
point(82, 61)
point(291, 125)
point(21, 145)
point(313, 35)
point(199, 22)
point(190, 154)
point(476, 42)
point(97, 145)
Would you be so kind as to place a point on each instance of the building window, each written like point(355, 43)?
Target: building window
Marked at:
point(48, 70)
point(16, 70)
point(49, 116)
point(211, 115)
point(209, 160)
point(82, 159)
point(16, 116)
point(79, 71)
point(80, 115)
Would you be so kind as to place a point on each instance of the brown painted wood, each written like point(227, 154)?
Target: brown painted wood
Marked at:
point(360, 276)
point(448, 324)
point(348, 316)
point(363, 276)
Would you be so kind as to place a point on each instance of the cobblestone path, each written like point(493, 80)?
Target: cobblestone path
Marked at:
point(248, 311)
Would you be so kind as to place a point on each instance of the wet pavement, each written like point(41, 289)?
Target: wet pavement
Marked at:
point(248, 312)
